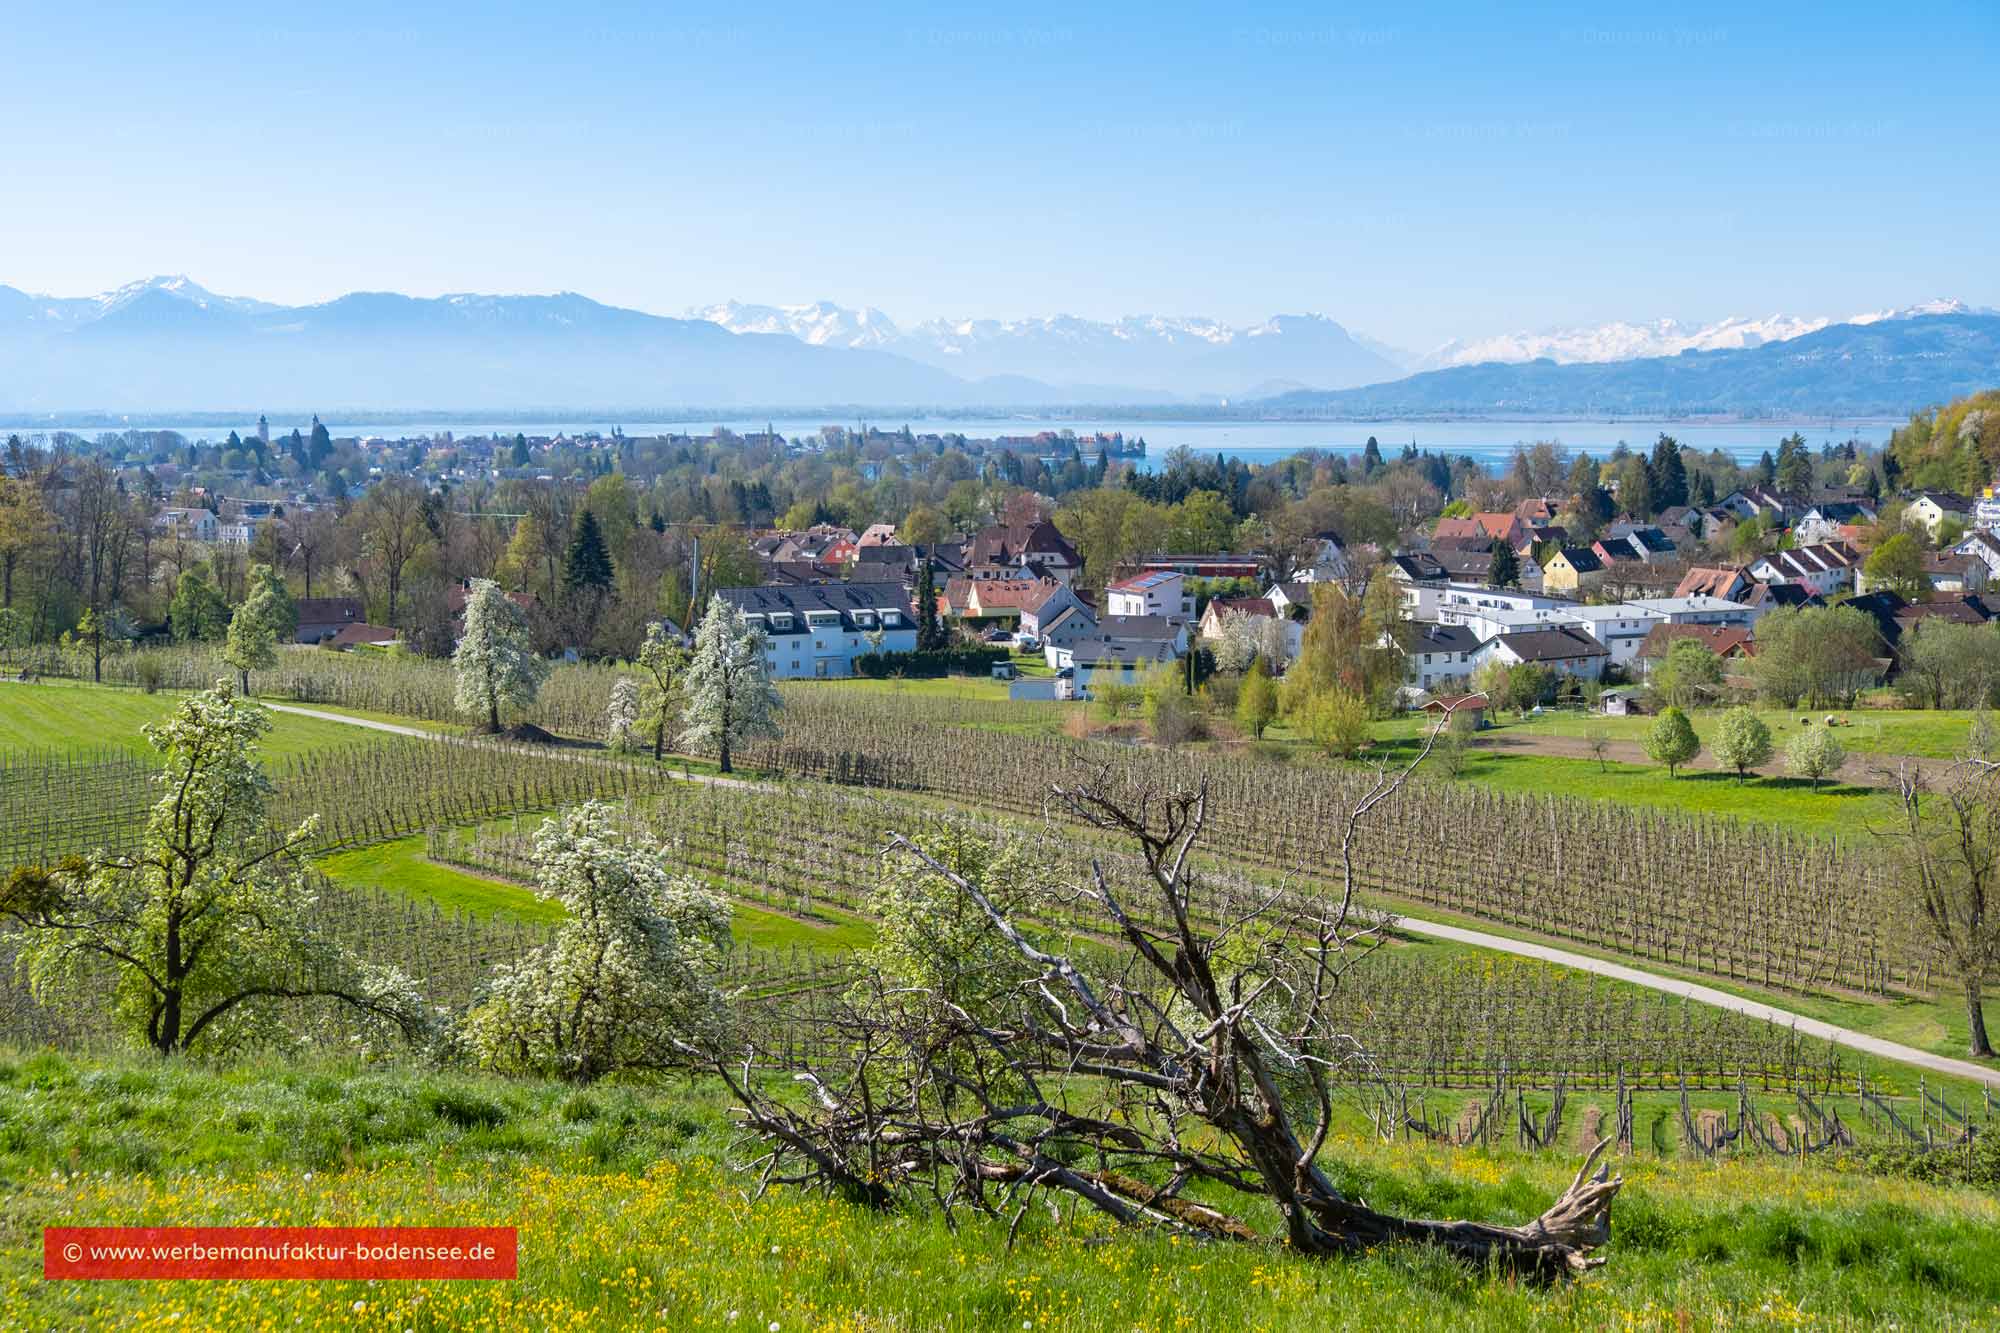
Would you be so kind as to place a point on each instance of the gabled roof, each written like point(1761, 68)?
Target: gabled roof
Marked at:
point(1004, 544)
point(1147, 582)
point(844, 598)
point(1139, 627)
point(1435, 638)
point(1581, 559)
point(1723, 640)
point(1949, 501)
point(357, 635)
point(1771, 596)
point(1713, 581)
point(1552, 645)
point(1097, 650)
point(1418, 566)
point(1242, 606)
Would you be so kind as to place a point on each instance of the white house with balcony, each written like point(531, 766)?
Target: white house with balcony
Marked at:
point(1159, 592)
point(815, 632)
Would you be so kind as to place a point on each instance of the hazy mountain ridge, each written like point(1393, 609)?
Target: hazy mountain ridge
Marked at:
point(1886, 367)
point(169, 343)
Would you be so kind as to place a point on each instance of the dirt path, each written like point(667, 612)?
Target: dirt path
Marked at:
point(581, 756)
point(1811, 1027)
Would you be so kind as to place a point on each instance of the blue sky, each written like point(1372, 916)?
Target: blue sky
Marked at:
point(1418, 173)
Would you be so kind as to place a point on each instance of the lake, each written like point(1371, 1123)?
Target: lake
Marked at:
point(1490, 441)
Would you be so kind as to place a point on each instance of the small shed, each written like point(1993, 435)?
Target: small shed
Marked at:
point(1470, 706)
point(1624, 702)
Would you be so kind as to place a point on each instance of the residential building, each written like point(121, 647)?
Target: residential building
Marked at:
point(1101, 660)
point(1571, 570)
point(1620, 627)
point(1156, 593)
point(1728, 582)
point(1947, 571)
point(1066, 626)
point(1984, 546)
point(1219, 608)
point(1204, 566)
point(1056, 598)
point(1566, 650)
point(1292, 600)
point(878, 534)
point(1037, 545)
point(816, 632)
point(996, 601)
point(1729, 641)
point(1326, 561)
point(321, 618)
point(1697, 610)
point(1506, 527)
point(195, 524)
point(1435, 654)
point(1824, 568)
point(1171, 631)
point(1933, 508)
point(1830, 520)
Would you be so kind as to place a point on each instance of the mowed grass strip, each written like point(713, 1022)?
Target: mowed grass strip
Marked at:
point(400, 867)
point(57, 717)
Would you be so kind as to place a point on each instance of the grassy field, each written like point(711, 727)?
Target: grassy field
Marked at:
point(64, 717)
point(401, 867)
point(1936, 734)
point(1832, 810)
point(628, 1219)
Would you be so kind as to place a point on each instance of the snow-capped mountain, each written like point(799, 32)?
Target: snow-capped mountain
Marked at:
point(1623, 341)
point(1159, 353)
point(822, 323)
point(71, 311)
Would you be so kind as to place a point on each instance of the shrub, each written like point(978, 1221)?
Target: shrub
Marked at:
point(150, 672)
point(937, 662)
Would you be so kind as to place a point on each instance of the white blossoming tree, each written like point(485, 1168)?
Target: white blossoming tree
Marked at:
point(663, 658)
point(205, 939)
point(621, 715)
point(495, 660)
point(254, 630)
point(629, 983)
point(730, 695)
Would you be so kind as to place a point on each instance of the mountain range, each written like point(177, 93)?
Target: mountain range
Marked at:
point(167, 344)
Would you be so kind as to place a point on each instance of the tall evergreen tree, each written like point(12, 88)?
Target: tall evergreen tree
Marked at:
point(1505, 571)
point(930, 634)
point(587, 564)
point(1667, 475)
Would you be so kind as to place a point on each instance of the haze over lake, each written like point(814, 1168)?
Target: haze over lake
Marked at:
point(1490, 441)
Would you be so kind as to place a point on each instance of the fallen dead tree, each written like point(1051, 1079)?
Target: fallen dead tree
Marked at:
point(1163, 1072)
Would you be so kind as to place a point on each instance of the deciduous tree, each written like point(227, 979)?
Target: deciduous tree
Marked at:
point(207, 935)
point(730, 696)
point(1742, 742)
point(630, 981)
point(495, 662)
point(1671, 740)
point(1814, 753)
